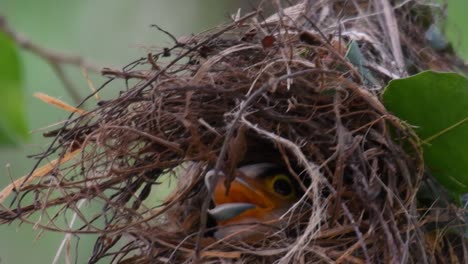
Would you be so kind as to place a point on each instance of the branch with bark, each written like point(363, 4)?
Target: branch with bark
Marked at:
point(57, 60)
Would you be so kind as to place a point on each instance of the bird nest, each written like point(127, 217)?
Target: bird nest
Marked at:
point(279, 90)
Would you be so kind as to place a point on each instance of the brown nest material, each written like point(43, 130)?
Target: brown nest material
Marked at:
point(275, 90)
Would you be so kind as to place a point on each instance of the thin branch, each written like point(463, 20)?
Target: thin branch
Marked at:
point(67, 83)
point(391, 26)
point(167, 33)
point(57, 60)
point(67, 238)
point(125, 74)
point(230, 133)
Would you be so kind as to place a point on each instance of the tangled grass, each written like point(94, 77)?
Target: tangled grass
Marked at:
point(279, 90)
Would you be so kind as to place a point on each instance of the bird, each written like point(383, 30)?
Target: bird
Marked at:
point(252, 207)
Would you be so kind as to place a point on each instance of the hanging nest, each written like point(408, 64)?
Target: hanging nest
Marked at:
point(281, 90)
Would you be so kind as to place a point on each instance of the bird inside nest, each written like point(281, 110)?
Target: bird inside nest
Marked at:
point(252, 207)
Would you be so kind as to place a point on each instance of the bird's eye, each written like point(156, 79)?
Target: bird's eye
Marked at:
point(282, 185)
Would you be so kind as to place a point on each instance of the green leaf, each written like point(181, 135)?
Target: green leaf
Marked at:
point(355, 56)
point(437, 104)
point(12, 118)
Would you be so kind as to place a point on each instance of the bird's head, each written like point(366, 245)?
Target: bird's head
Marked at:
point(260, 193)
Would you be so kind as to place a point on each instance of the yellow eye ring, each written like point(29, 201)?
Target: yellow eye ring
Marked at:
point(281, 185)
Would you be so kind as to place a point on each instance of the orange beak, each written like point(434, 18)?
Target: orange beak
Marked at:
point(260, 194)
point(248, 199)
point(245, 200)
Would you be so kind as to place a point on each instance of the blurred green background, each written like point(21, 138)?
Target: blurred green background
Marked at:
point(109, 33)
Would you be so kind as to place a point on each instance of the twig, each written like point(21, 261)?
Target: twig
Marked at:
point(67, 83)
point(125, 74)
point(167, 33)
point(170, 145)
point(56, 59)
point(391, 26)
point(200, 44)
point(67, 237)
point(230, 133)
